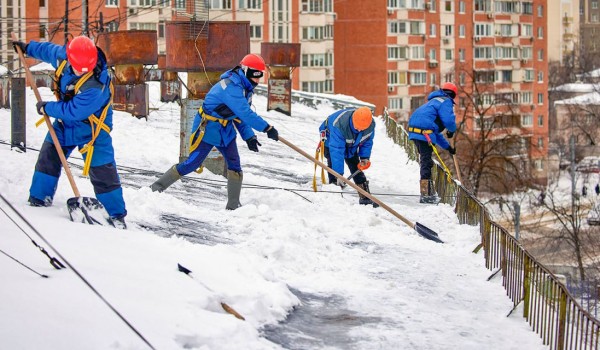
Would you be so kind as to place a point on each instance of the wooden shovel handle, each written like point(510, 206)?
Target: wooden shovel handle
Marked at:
point(59, 150)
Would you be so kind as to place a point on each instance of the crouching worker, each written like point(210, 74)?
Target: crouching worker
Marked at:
point(83, 119)
point(225, 109)
point(348, 138)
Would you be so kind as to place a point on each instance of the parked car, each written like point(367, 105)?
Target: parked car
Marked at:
point(593, 217)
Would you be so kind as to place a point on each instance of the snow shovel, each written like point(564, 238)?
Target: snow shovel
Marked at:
point(421, 229)
point(81, 209)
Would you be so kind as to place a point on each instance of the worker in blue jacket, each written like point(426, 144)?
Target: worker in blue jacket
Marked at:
point(425, 128)
point(348, 137)
point(82, 88)
point(226, 109)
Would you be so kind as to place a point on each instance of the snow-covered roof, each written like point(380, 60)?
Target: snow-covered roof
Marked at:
point(592, 98)
point(577, 87)
point(42, 67)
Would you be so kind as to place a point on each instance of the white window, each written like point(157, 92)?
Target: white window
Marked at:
point(483, 29)
point(540, 77)
point(417, 52)
point(527, 120)
point(255, 32)
point(540, 98)
point(250, 4)
point(461, 6)
point(432, 79)
point(432, 30)
point(448, 54)
point(448, 29)
point(540, 32)
point(418, 78)
point(461, 30)
point(461, 55)
point(540, 142)
point(395, 103)
point(397, 53)
point(112, 3)
point(527, 52)
point(541, 54)
point(396, 78)
point(526, 97)
point(526, 30)
point(448, 5)
point(316, 5)
point(540, 120)
point(538, 164)
point(528, 75)
point(483, 52)
point(220, 4)
point(432, 55)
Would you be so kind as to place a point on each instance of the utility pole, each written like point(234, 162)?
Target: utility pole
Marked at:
point(573, 193)
point(66, 21)
point(517, 208)
point(84, 16)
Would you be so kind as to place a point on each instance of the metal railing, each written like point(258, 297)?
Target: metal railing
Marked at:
point(548, 307)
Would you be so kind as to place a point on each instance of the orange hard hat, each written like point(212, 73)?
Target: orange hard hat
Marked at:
point(450, 87)
point(82, 54)
point(362, 118)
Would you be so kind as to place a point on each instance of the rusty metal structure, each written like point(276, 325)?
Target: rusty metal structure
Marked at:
point(128, 52)
point(281, 59)
point(204, 50)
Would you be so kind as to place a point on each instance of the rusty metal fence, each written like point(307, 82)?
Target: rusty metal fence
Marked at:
point(548, 307)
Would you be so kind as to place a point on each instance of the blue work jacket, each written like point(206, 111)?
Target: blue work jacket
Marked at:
point(344, 141)
point(435, 115)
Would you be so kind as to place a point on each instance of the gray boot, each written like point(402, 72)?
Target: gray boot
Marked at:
point(428, 195)
point(234, 187)
point(166, 180)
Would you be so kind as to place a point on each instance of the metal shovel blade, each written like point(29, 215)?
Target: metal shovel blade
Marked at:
point(427, 233)
point(86, 210)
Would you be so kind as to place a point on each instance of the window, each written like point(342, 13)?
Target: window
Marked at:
point(540, 32)
point(397, 53)
point(527, 120)
point(395, 103)
point(461, 6)
point(111, 3)
point(318, 5)
point(432, 79)
point(538, 164)
point(528, 75)
point(508, 6)
point(540, 142)
point(448, 5)
point(432, 55)
point(393, 78)
point(418, 78)
point(483, 52)
point(526, 52)
point(540, 77)
point(42, 3)
point(180, 4)
point(527, 8)
point(526, 30)
point(316, 60)
point(483, 5)
point(461, 30)
point(417, 53)
point(432, 31)
point(448, 56)
point(447, 30)
point(461, 54)
point(540, 98)
point(540, 120)
point(112, 26)
point(250, 4)
point(540, 11)
point(526, 97)
point(220, 4)
point(42, 32)
point(255, 32)
point(540, 54)
point(595, 4)
point(417, 28)
point(506, 76)
point(317, 33)
point(161, 30)
point(482, 29)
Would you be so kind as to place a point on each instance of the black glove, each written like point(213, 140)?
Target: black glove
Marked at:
point(40, 107)
point(272, 133)
point(253, 143)
point(451, 150)
point(20, 44)
point(449, 134)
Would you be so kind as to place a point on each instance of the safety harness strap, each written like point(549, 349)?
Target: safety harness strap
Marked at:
point(446, 170)
point(419, 131)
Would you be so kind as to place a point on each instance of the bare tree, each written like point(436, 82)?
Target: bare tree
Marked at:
point(493, 151)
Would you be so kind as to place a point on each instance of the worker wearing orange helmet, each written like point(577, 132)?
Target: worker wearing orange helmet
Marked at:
point(425, 128)
point(348, 137)
point(82, 89)
point(226, 109)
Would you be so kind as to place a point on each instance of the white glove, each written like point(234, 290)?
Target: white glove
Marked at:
point(341, 183)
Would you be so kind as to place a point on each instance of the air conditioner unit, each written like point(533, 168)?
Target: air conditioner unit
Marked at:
point(490, 15)
point(446, 41)
point(477, 38)
point(132, 11)
point(390, 12)
point(433, 64)
point(524, 61)
point(390, 88)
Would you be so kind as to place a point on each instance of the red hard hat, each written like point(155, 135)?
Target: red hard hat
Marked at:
point(253, 61)
point(82, 54)
point(451, 87)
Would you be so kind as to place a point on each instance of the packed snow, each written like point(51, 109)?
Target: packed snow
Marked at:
point(306, 270)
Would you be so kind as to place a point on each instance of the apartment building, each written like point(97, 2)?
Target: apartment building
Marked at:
point(563, 17)
point(589, 19)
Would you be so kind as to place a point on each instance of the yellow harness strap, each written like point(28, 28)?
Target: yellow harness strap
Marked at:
point(55, 87)
point(420, 131)
point(195, 140)
point(97, 125)
point(446, 170)
point(319, 155)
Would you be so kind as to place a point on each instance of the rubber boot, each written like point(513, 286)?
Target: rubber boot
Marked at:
point(166, 180)
point(234, 187)
point(428, 195)
point(364, 200)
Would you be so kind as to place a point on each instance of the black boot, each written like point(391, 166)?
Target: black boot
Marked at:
point(364, 200)
point(234, 187)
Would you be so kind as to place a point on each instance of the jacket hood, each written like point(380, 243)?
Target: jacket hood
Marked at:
point(237, 75)
point(439, 93)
